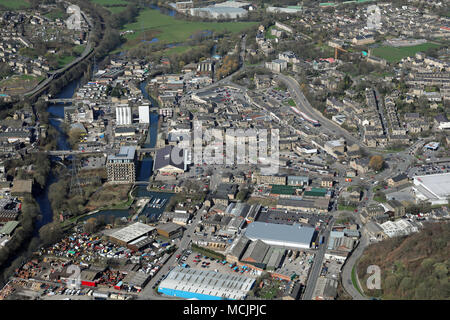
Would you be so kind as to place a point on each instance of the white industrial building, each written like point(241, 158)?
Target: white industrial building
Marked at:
point(398, 228)
point(289, 9)
point(219, 11)
point(288, 236)
point(144, 114)
point(276, 65)
point(205, 285)
point(434, 188)
point(123, 115)
point(132, 232)
point(233, 4)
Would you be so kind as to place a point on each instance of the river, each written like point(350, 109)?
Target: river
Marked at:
point(57, 113)
point(144, 170)
point(166, 11)
point(56, 118)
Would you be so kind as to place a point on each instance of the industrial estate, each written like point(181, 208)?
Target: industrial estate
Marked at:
point(224, 150)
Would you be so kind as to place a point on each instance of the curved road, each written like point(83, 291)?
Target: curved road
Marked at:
point(346, 274)
point(87, 51)
point(314, 272)
point(304, 106)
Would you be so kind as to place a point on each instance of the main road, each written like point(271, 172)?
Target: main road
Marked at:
point(346, 274)
point(304, 106)
point(314, 273)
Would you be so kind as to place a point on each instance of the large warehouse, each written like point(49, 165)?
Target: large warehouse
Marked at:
point(219, 12)
point(135, 231)
point(205, 285)
point(434, 188)
point(289, 236)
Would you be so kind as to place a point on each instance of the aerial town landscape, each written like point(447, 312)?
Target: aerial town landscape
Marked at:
point(224, 150)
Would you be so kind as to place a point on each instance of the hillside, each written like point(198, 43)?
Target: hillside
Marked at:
point(412, 267)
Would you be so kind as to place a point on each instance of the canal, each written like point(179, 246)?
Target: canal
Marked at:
point(151, 210)
point(145, 165)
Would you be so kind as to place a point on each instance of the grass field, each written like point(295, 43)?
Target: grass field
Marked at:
point(115, 10)
point(268, 33)
point(63, 60)
point(56, 14)
point(20, 83)
point(170, 30)
point(107, 3)
point(392, 54)
point(380, 199)
point(291, 102)
point(110, 2)
point(14, 4)
point(178, 49)
point(346, 208)
point(79, 49)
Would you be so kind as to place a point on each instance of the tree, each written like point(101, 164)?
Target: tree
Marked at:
point(376, 162)
point(380, 196)
point(74, 137)
point(50, 233)
point(242, 195)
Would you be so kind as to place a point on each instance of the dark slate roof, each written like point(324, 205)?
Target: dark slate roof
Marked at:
point(441, 118)
point(164, 157)
point(400, 177)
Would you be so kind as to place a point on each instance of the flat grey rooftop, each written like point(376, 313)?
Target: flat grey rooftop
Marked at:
point(279, 232)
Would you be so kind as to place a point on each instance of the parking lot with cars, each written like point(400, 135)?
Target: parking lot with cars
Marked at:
point(192, 259)
point(296, 265)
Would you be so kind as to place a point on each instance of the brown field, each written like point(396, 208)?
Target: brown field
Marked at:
point(19, 84)
point(108, 195)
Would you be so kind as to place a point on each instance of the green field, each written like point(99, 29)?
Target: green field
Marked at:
point(14, 4)
point(56, 14)
point(346, 208)
point(177, 49)
point(64, 60)
point(115, 10)
point(110, 2)
point(291, 102)
point(19, 84)
point(122, 5)
point(268, 33)
point(79, 49)
point(169, 30)
point(392, 54)
point(22, 77)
